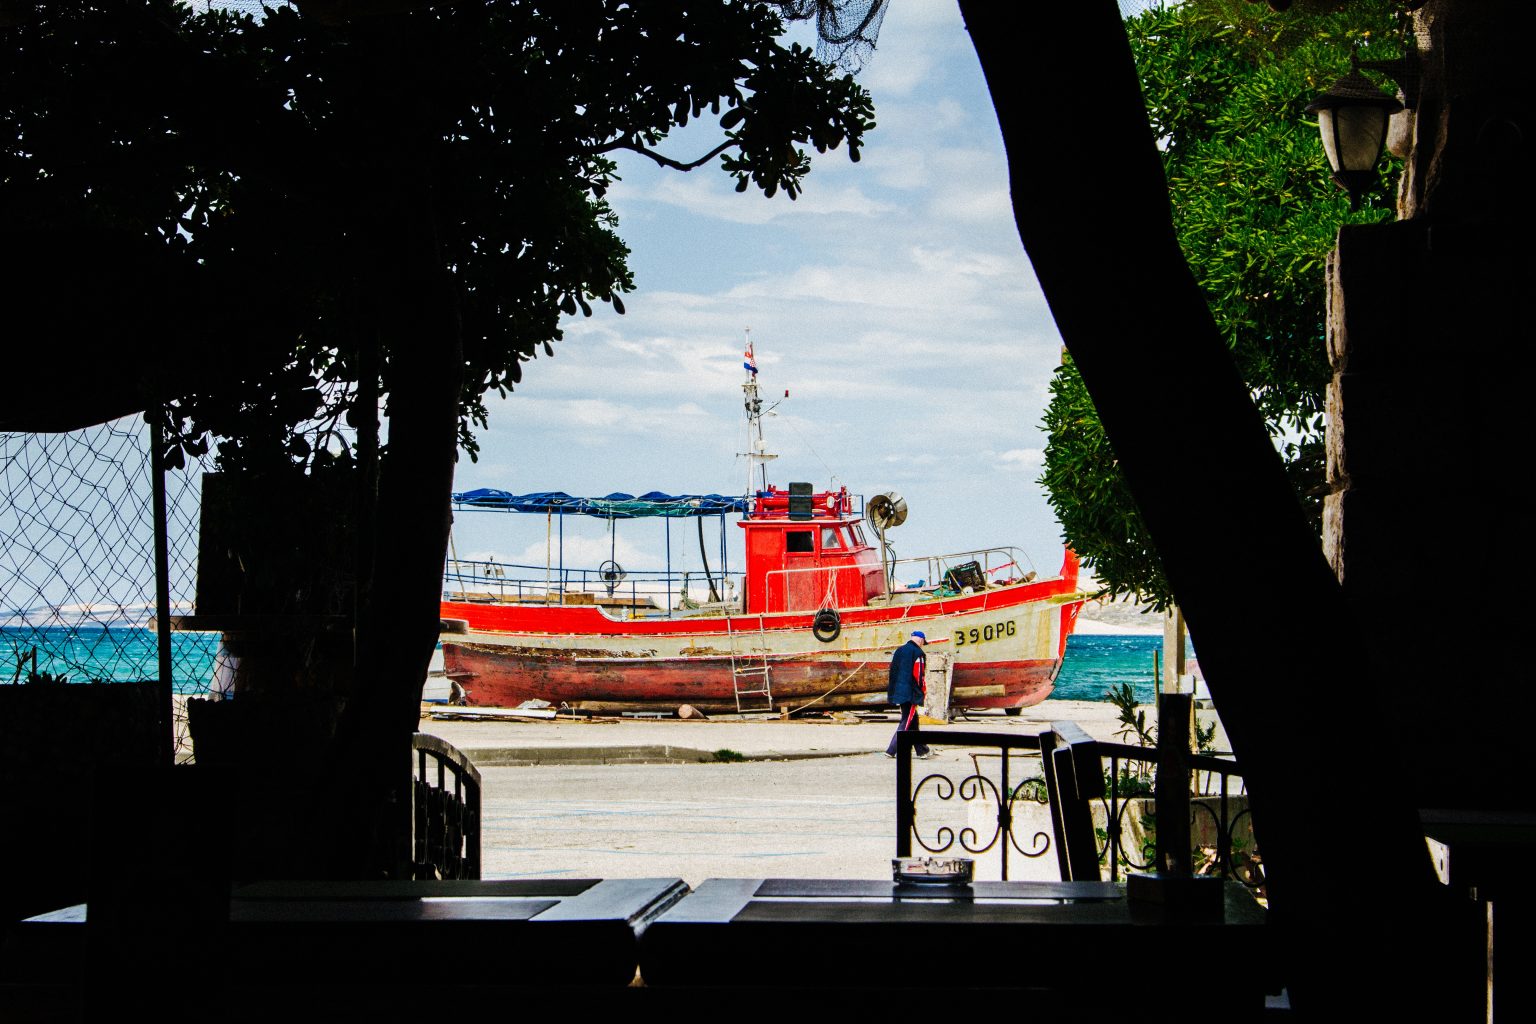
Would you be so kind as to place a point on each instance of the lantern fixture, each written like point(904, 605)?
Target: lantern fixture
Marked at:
point(1352, 119)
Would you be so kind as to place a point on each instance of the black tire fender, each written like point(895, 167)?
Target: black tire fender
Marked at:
point(827, 626)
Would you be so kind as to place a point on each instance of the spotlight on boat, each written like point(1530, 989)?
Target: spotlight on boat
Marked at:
point(886, 510)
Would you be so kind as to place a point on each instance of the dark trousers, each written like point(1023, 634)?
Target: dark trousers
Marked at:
point(908, 723)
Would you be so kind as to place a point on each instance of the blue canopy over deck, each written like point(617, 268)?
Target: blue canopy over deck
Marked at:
point(650, 505)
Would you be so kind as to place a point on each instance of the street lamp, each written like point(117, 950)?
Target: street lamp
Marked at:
point(1352, 119)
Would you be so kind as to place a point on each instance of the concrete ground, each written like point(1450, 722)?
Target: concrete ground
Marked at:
point(646, 798)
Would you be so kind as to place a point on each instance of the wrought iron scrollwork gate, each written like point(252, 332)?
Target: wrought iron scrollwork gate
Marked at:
point(1100, 822)
point(1003, 794)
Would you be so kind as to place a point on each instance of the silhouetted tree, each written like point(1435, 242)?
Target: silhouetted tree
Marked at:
point(1263, 606)
point(297, 219)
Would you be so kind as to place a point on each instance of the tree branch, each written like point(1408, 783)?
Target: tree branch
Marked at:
point(667, 161)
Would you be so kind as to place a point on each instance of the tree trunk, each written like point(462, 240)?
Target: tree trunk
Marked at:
point(1262, 605)
point(398, 622)
point(420, 346)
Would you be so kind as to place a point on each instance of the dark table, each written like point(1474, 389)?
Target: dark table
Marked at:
point(507, 932)
point(383, 935)
point(1061, 941)
point(1487, 857)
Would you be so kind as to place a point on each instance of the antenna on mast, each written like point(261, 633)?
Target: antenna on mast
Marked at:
point(757, 453)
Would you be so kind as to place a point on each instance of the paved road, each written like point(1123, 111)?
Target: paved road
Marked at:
point(829, 813)
point(826, 817)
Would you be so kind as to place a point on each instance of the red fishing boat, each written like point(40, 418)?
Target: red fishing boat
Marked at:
point(810, 622)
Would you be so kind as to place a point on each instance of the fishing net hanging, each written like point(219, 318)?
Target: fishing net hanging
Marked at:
point(845, 29)
point(77, 561)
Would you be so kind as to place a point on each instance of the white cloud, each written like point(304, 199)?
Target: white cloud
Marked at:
point(965, 263)
point(975, 207)
point(709, 194)
point(894, 301)
point(585, 551)
point(1019, 459)
point(593, 421)
point(904, 168)
point(917, 40)
point(885, 77)
point(917, 279)
point(580, 551)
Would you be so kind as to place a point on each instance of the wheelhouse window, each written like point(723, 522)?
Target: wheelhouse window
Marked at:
point(858, 535)
point(800, 542)
point(830, 541)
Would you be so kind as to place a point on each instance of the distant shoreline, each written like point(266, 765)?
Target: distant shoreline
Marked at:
point(1093, 627)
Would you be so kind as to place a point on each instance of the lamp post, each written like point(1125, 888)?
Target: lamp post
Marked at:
point(1352, 119)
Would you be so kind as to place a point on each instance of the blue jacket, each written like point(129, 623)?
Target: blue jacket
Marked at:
point(908, 667)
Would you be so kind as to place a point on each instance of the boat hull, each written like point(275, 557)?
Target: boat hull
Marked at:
point(1005, 647)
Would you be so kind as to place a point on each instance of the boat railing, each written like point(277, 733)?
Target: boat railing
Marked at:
point(992, 565)
point(839, 586)
point(658, 590)
point(854, 509)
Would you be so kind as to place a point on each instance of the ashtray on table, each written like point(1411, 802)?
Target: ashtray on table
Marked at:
point(932, 870)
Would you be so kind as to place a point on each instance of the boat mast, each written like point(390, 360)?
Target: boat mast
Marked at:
point(757, 453)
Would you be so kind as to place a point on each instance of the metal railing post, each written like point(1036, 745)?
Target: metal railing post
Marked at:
point(1005, 814)
point(1172, 786)
point(167, 729)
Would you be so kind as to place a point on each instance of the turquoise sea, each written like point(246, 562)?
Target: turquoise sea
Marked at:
point(115, 655)
point(1093, 663)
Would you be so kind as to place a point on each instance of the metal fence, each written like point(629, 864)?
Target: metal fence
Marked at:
point(445, 811)
point(1221, 822)
point(1003, 810)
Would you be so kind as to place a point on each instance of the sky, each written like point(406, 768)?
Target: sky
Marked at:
point(892, 300)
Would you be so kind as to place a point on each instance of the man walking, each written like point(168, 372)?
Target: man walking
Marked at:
point(907, 688)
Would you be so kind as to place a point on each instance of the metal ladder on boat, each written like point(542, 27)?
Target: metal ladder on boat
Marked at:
point(750, 675)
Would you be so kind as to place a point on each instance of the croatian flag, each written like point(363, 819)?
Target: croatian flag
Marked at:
point(749, 361)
